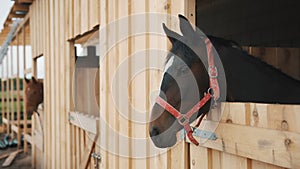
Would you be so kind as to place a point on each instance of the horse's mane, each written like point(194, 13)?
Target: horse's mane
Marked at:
point(231, 45)
point(219, 43)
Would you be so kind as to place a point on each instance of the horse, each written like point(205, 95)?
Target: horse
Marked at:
point(34, 95)
point(245, 79)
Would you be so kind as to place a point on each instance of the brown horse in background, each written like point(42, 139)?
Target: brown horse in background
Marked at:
point(34, 95)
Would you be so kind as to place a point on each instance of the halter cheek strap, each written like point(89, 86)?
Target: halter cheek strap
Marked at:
point(184, 119)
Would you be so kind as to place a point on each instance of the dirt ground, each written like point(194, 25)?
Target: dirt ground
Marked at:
point(22, 160)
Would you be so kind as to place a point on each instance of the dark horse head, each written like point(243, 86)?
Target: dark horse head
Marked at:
point(185, 81)
point(34, 95)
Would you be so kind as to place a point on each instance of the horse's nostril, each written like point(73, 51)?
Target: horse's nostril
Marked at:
point(154, 132)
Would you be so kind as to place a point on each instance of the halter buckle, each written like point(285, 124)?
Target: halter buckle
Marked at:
point(212, 71)
point(183, 120)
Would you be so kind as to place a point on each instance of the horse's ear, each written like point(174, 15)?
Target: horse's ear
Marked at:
point(186, 28)
point(26, 80)
point(33, 79)
point(172, 36)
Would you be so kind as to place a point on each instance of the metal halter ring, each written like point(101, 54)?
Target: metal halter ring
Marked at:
point(211, 92)
point(183, 120)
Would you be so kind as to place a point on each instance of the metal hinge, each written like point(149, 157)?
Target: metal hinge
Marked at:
point(204, 134)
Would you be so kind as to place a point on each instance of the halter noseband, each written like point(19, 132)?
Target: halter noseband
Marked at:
point(213, 91)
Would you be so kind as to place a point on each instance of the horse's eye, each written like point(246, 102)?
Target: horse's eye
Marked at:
point(184, 69)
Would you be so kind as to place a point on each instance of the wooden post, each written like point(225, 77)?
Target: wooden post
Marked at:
point(24, 87)
point(18, 93)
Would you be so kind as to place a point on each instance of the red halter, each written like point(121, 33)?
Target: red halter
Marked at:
point(183, 119)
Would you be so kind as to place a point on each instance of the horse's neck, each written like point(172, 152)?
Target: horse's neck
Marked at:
point(251, 80)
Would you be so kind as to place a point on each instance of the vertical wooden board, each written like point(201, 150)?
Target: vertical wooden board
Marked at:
point(56, 84)
point(70, 62)
point(94, 13)
point(233, 162)
point(70, 19)
point(62, 85)
point(216, 159)
point(117, 95)
point(111, 60)
point(47, 99)
point(157, 160)
point(2, 91)
point(31, 24)
point(44, 20)
point(103, 88)
point(84, 15)
point(52, 151)
point(138, 84)
point(199, 157)
point(123, 105)
point(37, 28)
point(77, 17)
point(18, 90)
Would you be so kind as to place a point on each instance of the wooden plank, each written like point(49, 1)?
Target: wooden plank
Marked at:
point(28, 138)
point(123, 122)
point(15, 128)
point(216, 158)
point(234, 162)
point(56, 91)
point(157, 42)
point(71, 19)
point(199, 157)
point(88, 151)
point(77, 17)
point(51, 93)
point(24, 100)
point(38, 141)
point(47, 93)
point(28, 71)
point(20, 8)
point(84, 16)
point(25, 1)
point(18, 92)
point(10, 158)
point(271, 146)
point(83, 121)
point(94, 13)
point(63, 88)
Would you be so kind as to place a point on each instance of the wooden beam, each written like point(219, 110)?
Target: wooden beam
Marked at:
point(24, 1)
point(10, 158)
point(20, 7)
point(14, 15)
point(28, 138)
point(276, 147)
point(83, 121)
point(7, 154)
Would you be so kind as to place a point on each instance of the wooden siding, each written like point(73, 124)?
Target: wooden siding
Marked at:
point(55, 24)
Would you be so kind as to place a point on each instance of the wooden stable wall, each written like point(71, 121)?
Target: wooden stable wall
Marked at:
point(114, 113)
point(251, 135)
point(54, 25)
